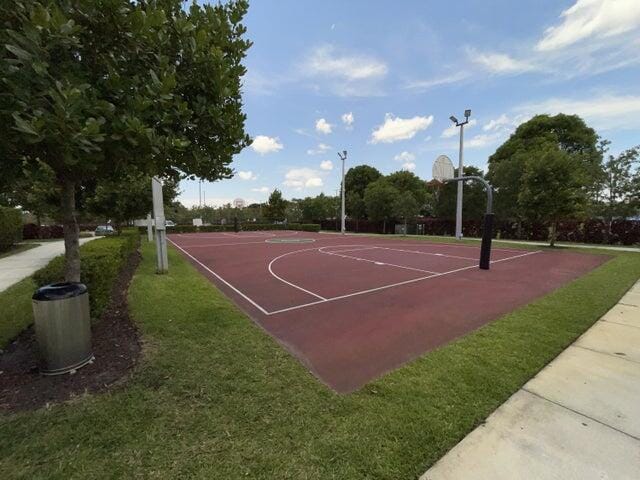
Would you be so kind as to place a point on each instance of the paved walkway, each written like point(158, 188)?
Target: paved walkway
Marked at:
point(579, 418)
point(16, 267)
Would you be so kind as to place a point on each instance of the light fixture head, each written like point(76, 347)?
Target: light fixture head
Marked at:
point(453, 119)
point(467, 113)
point(344, 153)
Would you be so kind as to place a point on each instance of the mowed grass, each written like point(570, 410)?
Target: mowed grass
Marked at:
point(216, 398)
point(15, 310)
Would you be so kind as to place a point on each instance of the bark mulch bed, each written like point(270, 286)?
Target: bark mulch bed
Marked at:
point(116, 346)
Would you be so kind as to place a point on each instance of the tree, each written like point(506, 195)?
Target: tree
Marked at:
point(618, 187)
point(94, 87)
point(293, 212)
point(355, 206)
point(405, 181)
point(128, 197)
point(321, 207)
point(406, 206)
point(474, 198)
point(379, 198)
point(358, 178)
point(276, 207)
point(566, 133)
point(552, 188)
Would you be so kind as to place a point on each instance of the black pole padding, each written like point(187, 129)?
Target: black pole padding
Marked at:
point(485, 248)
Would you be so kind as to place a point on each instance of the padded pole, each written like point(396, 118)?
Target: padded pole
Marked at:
point(485, 248)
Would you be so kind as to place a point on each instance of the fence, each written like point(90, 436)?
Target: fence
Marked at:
point(622, 232)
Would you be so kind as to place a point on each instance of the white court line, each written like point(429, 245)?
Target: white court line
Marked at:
point(377, 262)
point(220, 278)
point(289, 283)
point(201, 245)
point(322, 299)
point(429, 253)
point(384, 287)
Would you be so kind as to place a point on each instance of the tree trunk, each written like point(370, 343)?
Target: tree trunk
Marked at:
point(552, 234)
point(71, 233)
point(405, 226)
point(384, 226)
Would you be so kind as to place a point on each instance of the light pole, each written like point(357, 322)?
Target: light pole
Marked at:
point(467, 114)
point(342, 157)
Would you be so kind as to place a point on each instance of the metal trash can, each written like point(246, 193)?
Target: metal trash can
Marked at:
point(63, 327)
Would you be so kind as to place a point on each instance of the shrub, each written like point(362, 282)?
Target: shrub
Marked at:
point(247, 227)
point(102, 261)
point(10, 227)
point(32, 231)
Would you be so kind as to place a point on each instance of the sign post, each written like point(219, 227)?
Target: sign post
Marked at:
point(149, 228)
point(161, 232)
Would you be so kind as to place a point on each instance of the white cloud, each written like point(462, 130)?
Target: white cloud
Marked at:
point(319, 150)
point(325, 61)
point(322, 126)
point(604, 112)
point(347, 119)
point(591, 19)
point(404, 157)
point(261, 189)
point(409, 166)
point(420, 85)
point(263, 144)
point(344, 74)
point(395, 128)
point(299, 178)
point(496, 123)
point(483, 140)
point(499, 63)
point(326, 165)
point(247, 175)
point(452, 130)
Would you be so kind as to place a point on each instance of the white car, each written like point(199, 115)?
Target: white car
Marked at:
point(169, 223)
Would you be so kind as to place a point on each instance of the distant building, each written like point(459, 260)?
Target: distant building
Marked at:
point(239, 203)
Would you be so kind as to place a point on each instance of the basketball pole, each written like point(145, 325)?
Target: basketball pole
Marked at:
point(342, 157)
point(467, 114)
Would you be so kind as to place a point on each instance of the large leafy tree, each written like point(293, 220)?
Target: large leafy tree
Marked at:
point(127, 198)
point(406, 207)
point(405, 181)
point(356, 181)
point(565, 133)
point(552, 188)
point(474, 199)
point(379, 198)
point(321, 207)
point(618, 188)
point(92, 88)
point(275, 209)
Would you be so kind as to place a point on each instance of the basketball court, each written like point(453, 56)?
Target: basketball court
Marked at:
point(354, 307)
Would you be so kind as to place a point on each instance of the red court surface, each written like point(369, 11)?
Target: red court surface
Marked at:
point(354, 307)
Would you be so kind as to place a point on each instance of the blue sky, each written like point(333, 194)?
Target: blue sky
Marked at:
point(380, 80)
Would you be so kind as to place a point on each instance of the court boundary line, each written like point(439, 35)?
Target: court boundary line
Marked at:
point(331, 299)
point(360, 259)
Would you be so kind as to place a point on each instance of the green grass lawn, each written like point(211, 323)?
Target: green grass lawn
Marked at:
point(15, 310)
point(19, 247)
point(215, 397)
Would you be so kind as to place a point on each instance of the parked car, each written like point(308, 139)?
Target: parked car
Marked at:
point(169, 223)
point(103, 230)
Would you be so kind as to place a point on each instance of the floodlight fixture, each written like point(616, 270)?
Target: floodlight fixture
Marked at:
point(453, 119)
point(467, 113)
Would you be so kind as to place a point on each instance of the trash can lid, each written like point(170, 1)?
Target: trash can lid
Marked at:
point(59, 291)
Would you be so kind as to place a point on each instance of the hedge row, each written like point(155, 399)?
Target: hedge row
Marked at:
point(101, 262)
point(596, 231)
point(10, 227)
point(247, 227)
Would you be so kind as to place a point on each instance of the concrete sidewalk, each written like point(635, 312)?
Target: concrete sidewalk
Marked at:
point(19, 266)
point(578, 418)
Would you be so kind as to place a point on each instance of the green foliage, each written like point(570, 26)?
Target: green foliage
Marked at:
point(619, 192)
point(16, 312)
point(379, 198)
point(10, 227)
point(405, 181)
point(406, 206)
point(567, 133)
point(93, 88)
point(552, 188)
point(474, 198)
point(355, 206)
point(358, 178)
point(248, 227)
point(102, 261)
point(275, 209)
point(316, 209)
point(128, 197)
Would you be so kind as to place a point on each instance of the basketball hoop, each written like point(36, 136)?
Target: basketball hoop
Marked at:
point(443, 169)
